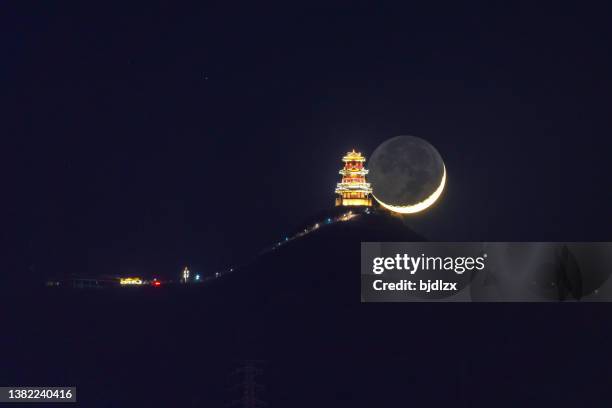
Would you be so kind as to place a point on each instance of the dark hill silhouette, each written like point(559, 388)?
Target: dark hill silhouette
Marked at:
point(323, 263)
point(298, 303)
point(298, 307)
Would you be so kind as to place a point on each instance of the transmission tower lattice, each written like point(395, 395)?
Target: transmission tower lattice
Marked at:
point(249, 372)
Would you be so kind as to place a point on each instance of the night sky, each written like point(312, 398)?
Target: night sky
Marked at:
point(146, 138)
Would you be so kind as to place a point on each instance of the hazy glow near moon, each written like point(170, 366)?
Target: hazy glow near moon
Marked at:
point(415, 208)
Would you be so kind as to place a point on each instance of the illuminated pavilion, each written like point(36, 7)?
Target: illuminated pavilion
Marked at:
point(353, 190)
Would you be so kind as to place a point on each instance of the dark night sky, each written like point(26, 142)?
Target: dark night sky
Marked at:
point(150, 137)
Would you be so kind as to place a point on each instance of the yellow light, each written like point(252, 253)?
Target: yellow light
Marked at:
point(353, 190)
point(130, 281)
point(411, 209)
point(358, 202)
point(353, 156)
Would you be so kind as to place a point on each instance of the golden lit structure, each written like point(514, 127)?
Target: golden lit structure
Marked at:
point(130, 281)
point(353, 190)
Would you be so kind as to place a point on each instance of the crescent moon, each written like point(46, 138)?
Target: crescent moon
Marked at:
point(418, 207)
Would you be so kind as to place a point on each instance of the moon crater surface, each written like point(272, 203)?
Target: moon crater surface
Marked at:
point(407, 174)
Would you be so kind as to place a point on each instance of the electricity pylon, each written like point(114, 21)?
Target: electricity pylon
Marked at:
point(248, 385)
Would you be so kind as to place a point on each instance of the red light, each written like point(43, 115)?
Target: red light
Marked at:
point(157, 283)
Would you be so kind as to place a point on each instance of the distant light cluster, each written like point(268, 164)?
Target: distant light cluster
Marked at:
point(130, 281)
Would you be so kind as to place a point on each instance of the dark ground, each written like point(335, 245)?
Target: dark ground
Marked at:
point(298, 308)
